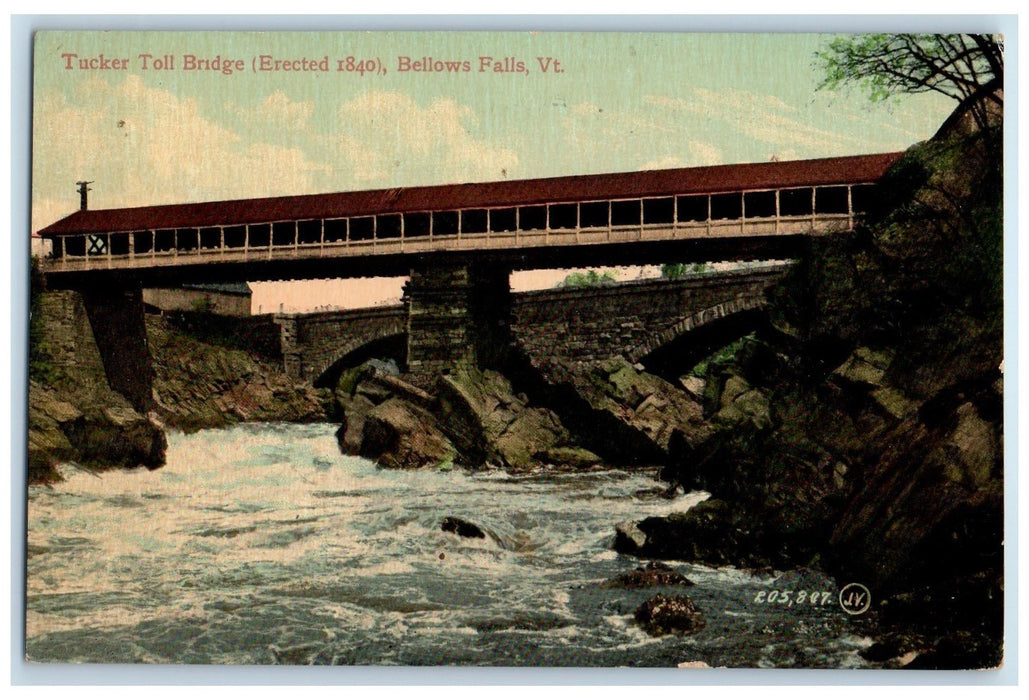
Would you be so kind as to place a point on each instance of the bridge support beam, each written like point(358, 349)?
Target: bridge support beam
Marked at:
point(119, 328)
point(458, 315)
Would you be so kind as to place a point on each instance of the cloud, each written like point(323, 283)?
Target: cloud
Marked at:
point(144, 145)
point(278, 111)
point(388, 136)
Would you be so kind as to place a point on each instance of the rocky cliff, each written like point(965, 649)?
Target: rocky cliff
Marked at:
point(864, 433)
point(73, 414)
point(206, 379)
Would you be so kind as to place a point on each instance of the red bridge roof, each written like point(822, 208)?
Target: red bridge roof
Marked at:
point(646, 183)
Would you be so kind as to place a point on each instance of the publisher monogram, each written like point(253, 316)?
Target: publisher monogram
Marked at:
point(855, 598)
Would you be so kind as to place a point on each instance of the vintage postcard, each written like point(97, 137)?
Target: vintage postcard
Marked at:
point(519, 349)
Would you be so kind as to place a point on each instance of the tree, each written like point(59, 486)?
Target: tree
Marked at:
point(590, 278)
point(674, 271)
point(968, 68)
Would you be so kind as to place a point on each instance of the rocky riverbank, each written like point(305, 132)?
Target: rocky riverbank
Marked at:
point(864, 435)
point(202, 379)
point(73, 414)
point(585, 414)
point(206, 380)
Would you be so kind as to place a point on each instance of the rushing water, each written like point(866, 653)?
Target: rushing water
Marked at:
point(262, 544)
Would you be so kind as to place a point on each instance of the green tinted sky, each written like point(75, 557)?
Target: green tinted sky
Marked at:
point(622, 102)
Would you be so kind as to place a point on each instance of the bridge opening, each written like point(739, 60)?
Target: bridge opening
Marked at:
point(474, 221)
point(759, 204)
point(445, 223)
point(260, 235)
point(532, 218)
point(659, 211)
point(832, 200)
point(682, 354)
point(726, 206)
point(235, 236)
point(335, 230)
point(362, 228)
point(692, 208)
point(143, 242)
point(563, 216)
point(392, 347)
point(417, 224)
point(309, 232)
point(388, 226)
point(119, 244)
point(796, 202)
point(503, 220)
point(626, 213)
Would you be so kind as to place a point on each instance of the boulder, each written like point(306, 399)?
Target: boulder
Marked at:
point(462, 528)
point(676, 614)
point(864, 366)
point(968, 454)
point(740, 402)
point(629, 539)
point(569, 457)
point(399, 435)
point(649, 576)
point(488, 423)
point(694, 386)
point(649, 405)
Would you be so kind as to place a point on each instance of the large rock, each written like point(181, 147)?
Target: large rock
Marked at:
point(652, 408)
point(400, 435)
point(713, 532)
point(205, 381)
point(462, 528)
point(362, 388)
point(490, 424)
point(652, 575)
point(98, 436)
point(662, 615)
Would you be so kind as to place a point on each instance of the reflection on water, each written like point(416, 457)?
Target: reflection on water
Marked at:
point(262, 544)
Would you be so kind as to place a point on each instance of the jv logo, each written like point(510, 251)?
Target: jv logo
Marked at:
point(855, 599)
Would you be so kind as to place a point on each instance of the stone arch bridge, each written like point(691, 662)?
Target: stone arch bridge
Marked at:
point(630, 320)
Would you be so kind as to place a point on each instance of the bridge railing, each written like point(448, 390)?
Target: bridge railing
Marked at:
point(792, 211)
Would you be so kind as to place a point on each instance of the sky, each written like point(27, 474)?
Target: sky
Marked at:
point(607, 102)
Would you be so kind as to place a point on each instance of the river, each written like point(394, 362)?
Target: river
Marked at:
point(262, 544)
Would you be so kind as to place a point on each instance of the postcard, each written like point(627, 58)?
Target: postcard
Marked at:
point(516, 349)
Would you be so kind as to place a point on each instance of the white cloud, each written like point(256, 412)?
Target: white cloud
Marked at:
point(143, 145)
point(388, 136)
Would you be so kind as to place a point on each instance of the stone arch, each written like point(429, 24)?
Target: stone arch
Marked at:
point(392, 346)
point(695, 337)
point(693, 321)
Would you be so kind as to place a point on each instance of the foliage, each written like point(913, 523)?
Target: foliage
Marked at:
point(721, 356)
point(37, 282)
point(674, 271)
point(923, 274)
point(964, 67)
point(590, 278)
point(203, 305)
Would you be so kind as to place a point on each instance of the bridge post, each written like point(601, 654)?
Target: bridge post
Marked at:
point(119, 328)
point(292, 357)
point(458, 315)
